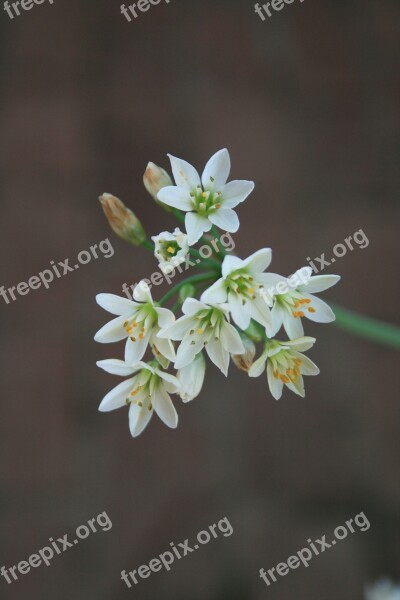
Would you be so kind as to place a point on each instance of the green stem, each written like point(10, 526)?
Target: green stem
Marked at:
point(366, 327)
point(215, 233)
point(149, 245)
point(193, 279)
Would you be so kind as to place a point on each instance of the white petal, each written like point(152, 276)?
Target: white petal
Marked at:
point(142, 293)
point(319, 283)
point(117, 397)
point(297, 387)
point(258, 366)
point(259, 261)
point(165, 317)
point(164, 407)
point(177, 197)
point(191, 307)
point(178, 330)
point(116, 367)
point(196, 226)
point(139, 418)
point(134, 351)
point(235, 192)
point(300, 277)
point(216, 293)
point(301, 344)
point(165, 347)
point(230, 339)
point(241, 314)
point(307, 366)
point(230, 264)
point(218, 355)
point(260, 312)
point(187, 351)
point(171, 383)
point(115, 304)
point(217, 170)
point(191, 378)
point(277, 316)
point(226, 219)
point(293, 327)
point(185, 174)
point(323, 313)
point(275, 385)
point(114, 331)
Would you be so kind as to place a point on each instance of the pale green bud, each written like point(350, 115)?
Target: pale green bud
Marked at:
point(122, 220)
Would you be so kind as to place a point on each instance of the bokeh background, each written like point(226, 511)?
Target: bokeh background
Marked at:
point(307, 103)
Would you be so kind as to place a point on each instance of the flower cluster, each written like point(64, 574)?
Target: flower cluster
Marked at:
point(242, 304)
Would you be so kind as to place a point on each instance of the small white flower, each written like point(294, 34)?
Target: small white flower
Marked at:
point(138, 321)
point(170, 249)
point(240, 287)
point(207, 201)
point(383, 590)
point(297, 301)
point(204, 326)
point(147, 392)
point(286, 365)
point(191, 378)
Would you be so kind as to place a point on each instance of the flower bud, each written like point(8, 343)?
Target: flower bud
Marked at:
point(244, 361)
point(187, 291)
point(122, 220)
point(154, 179)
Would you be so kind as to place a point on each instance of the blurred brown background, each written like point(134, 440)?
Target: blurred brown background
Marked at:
point(307, 103)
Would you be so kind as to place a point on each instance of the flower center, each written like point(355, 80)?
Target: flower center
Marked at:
point(169, 249)
point(244, 285)
point(286, 367)
point(137, 326)
point(296, 304)
point(205, 201)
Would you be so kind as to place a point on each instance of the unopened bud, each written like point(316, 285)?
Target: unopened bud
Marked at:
point(122, 220)
point(187, 291)
point(155, 178)
point(244, 361)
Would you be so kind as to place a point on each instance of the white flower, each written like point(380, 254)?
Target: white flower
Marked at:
point(170, 249)
point(147, 392)
point(286, 365)
point(383, 590)
point(207, 201)
point(191, 378)
point(138, 321)
point(297, 301)
point(204, 326)
point(240, 287)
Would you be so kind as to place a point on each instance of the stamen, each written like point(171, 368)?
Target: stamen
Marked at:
point(200, 331)
point(311, 310)
point(170, 250)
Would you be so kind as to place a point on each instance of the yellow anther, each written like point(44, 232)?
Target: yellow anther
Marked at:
point(297, 371)
point(300, 313)
point(276, 374)
point(307, 300)
point(285, 379)
point(251, 290)
point(311, 309)
point(200, 331)
point(126, 323)
point(217, 205)
point(141, 335)
point(170, 249)
point(205, 195)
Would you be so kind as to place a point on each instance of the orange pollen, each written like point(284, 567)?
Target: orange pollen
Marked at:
point(200, 331)
point(141, 335)
point(277, 374)
point(297, 361)
point(297, 371)
point(285, 379)
point(311, 310)
point(301, 314)
point(217, 205)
